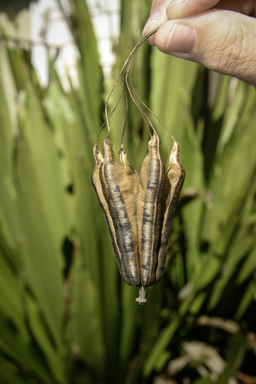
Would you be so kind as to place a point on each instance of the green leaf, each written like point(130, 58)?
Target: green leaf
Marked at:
point(158, 351)
point(247, 299)
point(248, 267)
point(6, 136)
point(16, 336)
point(10, 373)
point(85, 323)
point(171, 87)
point(43, 206)
point(39, 331)
point(89, 70)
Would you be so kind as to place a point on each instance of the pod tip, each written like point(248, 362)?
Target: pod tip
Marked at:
point(141, 299)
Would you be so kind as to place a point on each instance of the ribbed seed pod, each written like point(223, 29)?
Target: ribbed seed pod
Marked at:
point(173, 184)
point(96, 181)
point(115, 190)
point(138, 211)
point(152, 180)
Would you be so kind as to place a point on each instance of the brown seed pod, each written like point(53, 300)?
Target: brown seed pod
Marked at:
point(138, 210)
point(111, 194)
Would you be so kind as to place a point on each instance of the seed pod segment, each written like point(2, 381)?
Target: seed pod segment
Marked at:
point(97, 184)
point(118, 186)
point(157, 199)
point(173, 184)
point(152, 178)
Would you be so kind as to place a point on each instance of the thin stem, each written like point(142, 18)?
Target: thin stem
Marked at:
point(131, 55)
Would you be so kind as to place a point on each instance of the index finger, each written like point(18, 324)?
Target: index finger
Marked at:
point(184, 8)
point(162, 10)
point(165, 9)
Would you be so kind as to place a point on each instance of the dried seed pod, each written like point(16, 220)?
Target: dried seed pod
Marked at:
point(115, 187)
point(138, 212)
point(173, 184)
point(152, 180)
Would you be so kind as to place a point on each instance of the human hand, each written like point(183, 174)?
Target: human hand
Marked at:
point(221, 35)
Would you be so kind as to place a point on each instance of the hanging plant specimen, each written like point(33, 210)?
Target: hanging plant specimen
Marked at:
point(138, 209)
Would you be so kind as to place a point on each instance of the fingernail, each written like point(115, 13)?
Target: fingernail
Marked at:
point(153, 18)
point(175, 2)
point(174, 7)
point(182, 39)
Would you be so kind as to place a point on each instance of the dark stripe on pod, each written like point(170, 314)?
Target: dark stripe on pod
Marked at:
point(98, 186)
point(115, 178)
point(151, 179)
point(174, 182)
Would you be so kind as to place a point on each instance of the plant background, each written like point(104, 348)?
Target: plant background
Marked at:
point(65, 314)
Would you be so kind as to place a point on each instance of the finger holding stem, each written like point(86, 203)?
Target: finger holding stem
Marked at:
point(222, 40)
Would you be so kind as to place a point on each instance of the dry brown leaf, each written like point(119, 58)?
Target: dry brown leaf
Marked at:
point(217, 322)
point(213, 361)
point(245, 379)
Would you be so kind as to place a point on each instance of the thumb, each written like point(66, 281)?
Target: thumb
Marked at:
point(223, 41)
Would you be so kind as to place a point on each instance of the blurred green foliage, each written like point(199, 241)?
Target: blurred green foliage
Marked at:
point(65, 314)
